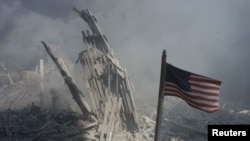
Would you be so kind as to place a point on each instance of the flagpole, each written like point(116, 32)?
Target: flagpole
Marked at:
point(161, 95)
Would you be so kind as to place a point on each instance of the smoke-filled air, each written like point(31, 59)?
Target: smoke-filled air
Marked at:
point(71, 86)
point(206, 37)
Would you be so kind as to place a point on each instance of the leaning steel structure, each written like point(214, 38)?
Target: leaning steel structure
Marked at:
point(110, 107)
point(107, 82)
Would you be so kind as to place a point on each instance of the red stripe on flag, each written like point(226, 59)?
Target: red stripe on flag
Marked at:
point(201, 92)
point(202, 104)
point(204, 79)
point(205, 87)
point(187, 93)
point(198, 107)
point(199, 102)
point(192, 96)
point(206, 93)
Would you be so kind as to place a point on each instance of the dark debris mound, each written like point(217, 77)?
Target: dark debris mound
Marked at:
point(34, 124)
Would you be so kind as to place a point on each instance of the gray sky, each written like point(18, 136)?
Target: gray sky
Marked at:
point(207, 37)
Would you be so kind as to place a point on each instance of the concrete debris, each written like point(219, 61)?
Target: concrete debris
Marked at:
point(32, 124)
point(112, 112)
point(23, 90)
point(189, 124)
point(184, 123)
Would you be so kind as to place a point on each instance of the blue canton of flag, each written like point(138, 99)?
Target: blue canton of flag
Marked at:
point(178, 77)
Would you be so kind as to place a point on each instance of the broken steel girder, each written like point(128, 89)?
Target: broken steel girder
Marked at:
point(89, 18)
point(76, 93)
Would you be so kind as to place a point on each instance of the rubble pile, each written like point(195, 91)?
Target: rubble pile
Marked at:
point(33, 106)
point(112, 112)
point(17, 88)
point(31, 123)
point(180, 122)
point(183, 122)
point(19, 94)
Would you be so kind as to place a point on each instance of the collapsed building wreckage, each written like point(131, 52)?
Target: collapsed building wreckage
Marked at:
point(111, 110)
point(112, 104)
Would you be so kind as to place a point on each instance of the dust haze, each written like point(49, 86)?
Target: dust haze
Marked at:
point(206, 37)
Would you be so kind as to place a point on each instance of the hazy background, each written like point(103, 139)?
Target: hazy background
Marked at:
point(211, 38)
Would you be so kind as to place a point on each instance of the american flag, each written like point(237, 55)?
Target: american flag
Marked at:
point(198, 91)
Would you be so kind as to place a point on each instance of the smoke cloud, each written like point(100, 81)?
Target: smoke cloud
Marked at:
point(206, 37)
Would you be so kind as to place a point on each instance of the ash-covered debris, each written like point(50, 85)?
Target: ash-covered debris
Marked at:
point(45, 104)
point(32, 124)
point(180, 122)
point(183, 122)
point(111, 116)
point(17, 88)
